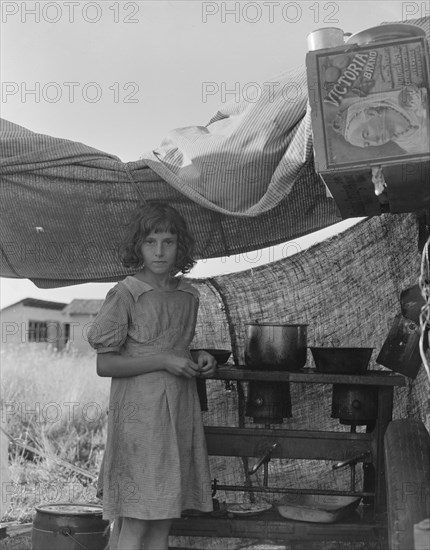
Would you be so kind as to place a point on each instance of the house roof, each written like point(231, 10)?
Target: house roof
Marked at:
point(44, 304)
point(83, 307)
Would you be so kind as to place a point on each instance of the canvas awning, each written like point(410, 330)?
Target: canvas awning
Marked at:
point(64, 206)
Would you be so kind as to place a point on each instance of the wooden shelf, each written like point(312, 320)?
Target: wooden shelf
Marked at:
point(367, 524)
point(294, 444)
point(309, 376)
point(271, 526)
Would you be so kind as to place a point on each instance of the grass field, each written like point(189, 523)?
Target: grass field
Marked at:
point(56, 404)
point(22, 542)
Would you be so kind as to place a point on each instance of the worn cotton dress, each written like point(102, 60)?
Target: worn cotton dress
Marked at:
point(155, 463)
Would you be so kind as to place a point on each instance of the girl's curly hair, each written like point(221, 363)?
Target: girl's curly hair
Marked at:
point(157, 217)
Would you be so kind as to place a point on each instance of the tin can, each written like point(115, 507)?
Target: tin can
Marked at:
point(327, 37)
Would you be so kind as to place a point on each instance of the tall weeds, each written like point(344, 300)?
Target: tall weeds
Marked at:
point(55, 403)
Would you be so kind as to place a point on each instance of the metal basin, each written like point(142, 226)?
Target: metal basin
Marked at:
point(317, 508)
point(341, 360)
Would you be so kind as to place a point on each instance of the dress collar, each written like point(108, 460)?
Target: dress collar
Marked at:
point(137, 287)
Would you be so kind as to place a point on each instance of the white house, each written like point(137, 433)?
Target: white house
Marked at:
point(43, 322)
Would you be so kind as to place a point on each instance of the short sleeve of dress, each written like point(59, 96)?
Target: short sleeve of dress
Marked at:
point(109, 329)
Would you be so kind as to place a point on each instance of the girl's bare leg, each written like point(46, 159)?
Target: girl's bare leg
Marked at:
point(132, 534)
point(157, 534)
point(115, 529)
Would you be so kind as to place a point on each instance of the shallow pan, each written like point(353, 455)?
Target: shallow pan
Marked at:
point(317, 508)
point(221, 355)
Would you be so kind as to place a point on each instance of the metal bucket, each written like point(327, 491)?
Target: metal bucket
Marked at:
point(273, 346)
point(68, 526)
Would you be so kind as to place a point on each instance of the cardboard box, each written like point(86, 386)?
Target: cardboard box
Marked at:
point(370, 110)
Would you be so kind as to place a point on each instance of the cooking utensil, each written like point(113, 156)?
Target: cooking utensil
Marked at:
point(341, 360)
point(69, 526)
point(276, 346)
point(411, 302)
point(326, 37)
point(400, 351)
point(385, 32)
point(317, 508)
point(248, 509)
point(221, 355)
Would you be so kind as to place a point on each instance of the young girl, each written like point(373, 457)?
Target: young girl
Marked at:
point(155, 462)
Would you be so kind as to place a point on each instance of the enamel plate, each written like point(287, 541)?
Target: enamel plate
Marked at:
point(248, 509)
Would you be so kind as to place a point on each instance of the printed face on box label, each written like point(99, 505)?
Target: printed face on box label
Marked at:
point(380, 118)
point(376, 126)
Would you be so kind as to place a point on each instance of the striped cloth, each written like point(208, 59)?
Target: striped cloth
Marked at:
point(250, 154)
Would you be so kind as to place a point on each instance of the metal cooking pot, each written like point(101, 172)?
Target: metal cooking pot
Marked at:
point(275, 346)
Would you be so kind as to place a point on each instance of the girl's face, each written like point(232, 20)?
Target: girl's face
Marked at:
point(159, 252)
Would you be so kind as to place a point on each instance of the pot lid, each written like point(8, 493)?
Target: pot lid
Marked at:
point(385, 32)
point(70, 509)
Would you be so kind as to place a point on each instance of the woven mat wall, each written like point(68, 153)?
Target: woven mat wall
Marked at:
point(347, 289)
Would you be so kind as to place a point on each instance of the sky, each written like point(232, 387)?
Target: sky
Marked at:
point(119, 75)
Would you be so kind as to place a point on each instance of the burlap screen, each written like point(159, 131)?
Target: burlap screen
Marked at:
point(347, 289)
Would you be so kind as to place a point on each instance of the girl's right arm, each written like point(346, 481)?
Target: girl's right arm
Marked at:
point(115, 365)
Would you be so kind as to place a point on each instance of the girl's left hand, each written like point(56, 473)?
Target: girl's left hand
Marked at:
point(207, 364)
